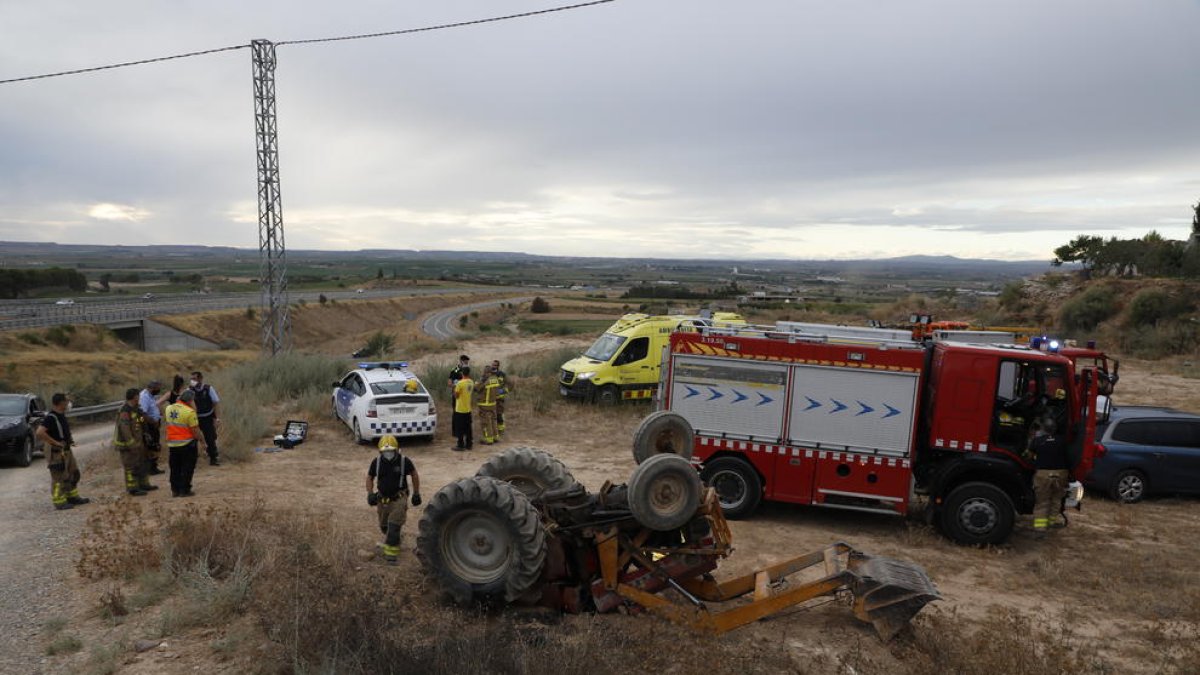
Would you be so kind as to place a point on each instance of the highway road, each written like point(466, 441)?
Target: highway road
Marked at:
point(443, 324)
point(16, 314)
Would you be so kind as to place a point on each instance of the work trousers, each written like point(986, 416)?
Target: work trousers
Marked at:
point(133, 460)
point(487, 424)
point(500, 414)
point(182, 460)
point(151, 439)
point(208, 427)
point(460, 426)
point(64, 475)
point(1049, 488)
point(393, 511)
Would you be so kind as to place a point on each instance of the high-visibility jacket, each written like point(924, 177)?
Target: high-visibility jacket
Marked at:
point(489, 388)
point(462, 395)
point(181, 420)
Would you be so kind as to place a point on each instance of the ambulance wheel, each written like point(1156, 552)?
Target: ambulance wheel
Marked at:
point(530, 470)
point(664, 492)
point(977, 514)
point(481, 540)
point(608, 395)
point(738, 485)
point(663, 432)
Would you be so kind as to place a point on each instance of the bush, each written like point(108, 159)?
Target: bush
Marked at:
point(1088, 309)
point(539, 306)
point(1152, 305)
point(379, 345)
point(60, 335)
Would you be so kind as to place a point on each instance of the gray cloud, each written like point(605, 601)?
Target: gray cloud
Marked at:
point(697, 129)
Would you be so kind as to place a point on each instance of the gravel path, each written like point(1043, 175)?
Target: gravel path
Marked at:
point(36, 556)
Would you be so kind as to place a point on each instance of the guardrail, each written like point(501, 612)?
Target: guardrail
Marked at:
point(87, 411)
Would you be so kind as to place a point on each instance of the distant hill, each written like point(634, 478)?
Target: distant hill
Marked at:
point(901, 266)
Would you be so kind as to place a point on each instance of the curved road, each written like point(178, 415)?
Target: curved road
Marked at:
point(39, 313)
point(443, 324)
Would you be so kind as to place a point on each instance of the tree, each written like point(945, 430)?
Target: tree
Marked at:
point(539, 306)
point(1085, 249)
point(379, 274)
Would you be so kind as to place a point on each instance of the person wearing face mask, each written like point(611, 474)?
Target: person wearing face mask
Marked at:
point(150, 401)
point(208, 409)
point(387, 491)
point(55, 434)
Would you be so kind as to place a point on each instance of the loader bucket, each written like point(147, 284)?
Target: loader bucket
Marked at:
point(888, 593)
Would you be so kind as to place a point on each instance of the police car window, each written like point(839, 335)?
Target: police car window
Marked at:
point(358, 387)
point(1135, 431)
point(604, 347)
point(348, 382)
point(395, 387)
point(636, 350)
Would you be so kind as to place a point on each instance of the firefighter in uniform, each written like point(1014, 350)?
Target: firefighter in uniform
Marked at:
point(183, 440)
point(460, 423)
point(488, 385)
point(501, 393)
point(387, 491)
point(1050, 479)
point(128, 440)
point(55, 433)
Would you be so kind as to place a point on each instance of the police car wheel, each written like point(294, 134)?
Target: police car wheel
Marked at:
point(358, 436)
point(738, 485)
point(977, 514)
point(480, 539)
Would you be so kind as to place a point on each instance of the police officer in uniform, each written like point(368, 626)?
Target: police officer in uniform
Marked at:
point(462, 369)
point(128, 440)
point(150, 403)
point(387, 491)
point(55, 433)
point(208, 410)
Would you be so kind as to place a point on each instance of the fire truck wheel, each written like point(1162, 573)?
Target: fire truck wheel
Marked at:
point(530, 470)
point(977, 514)
point(608, 395)
point(663, 432)
point(664, 492)
point(1129, 486)
point(481, 540)
point(737, 484)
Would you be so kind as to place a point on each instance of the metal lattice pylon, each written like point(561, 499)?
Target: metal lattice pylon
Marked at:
point(276, 327)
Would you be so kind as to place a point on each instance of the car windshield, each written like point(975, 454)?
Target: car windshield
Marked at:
point(604, 347)
point(12, 405)
point(395, 387)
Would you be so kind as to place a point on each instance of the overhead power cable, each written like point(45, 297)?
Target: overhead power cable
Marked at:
point(124, 65)
point(444, 26)
point(342, 38)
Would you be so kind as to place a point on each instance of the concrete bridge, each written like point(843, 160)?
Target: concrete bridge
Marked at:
point(151, 336)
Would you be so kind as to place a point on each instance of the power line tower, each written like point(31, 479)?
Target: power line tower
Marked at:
point(276, 326)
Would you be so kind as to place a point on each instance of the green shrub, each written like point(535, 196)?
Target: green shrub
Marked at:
point(1152, 305)
point(1088, 309)
point(32, 338)
point(539, 306)
point(379, 345)
point(60, 335)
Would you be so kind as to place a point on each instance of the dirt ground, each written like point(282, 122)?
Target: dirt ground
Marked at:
point(1119, 577)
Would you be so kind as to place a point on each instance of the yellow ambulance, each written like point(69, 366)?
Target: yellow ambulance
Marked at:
point(623, 363)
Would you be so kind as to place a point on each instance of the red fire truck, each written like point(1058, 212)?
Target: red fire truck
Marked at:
point(854, 422)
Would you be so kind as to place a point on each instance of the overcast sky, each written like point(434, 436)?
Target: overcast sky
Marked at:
point(680, 128)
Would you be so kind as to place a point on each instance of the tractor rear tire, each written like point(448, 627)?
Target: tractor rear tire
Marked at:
point(530, 470)
point(481, 541)
point(663, 432)
point(664, 492)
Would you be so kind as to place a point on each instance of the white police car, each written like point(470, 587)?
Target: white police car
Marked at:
point(384, 398)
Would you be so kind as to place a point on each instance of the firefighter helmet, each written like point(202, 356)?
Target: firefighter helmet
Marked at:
point(411, 386)
point(388, 443)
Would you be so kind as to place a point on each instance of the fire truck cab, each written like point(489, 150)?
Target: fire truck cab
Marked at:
point(874, 424)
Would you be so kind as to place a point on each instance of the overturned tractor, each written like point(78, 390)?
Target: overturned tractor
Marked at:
point(524, 531)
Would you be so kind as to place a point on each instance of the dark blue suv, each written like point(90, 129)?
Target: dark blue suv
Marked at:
point(1148, 450)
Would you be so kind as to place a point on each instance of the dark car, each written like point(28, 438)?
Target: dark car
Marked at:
point(1148, 450)
point(19, 416)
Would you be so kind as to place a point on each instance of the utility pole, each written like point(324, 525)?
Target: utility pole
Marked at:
point(276, 326)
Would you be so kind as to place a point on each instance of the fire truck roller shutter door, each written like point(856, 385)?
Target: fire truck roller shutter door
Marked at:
point(730, 398)
point(871, 410)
